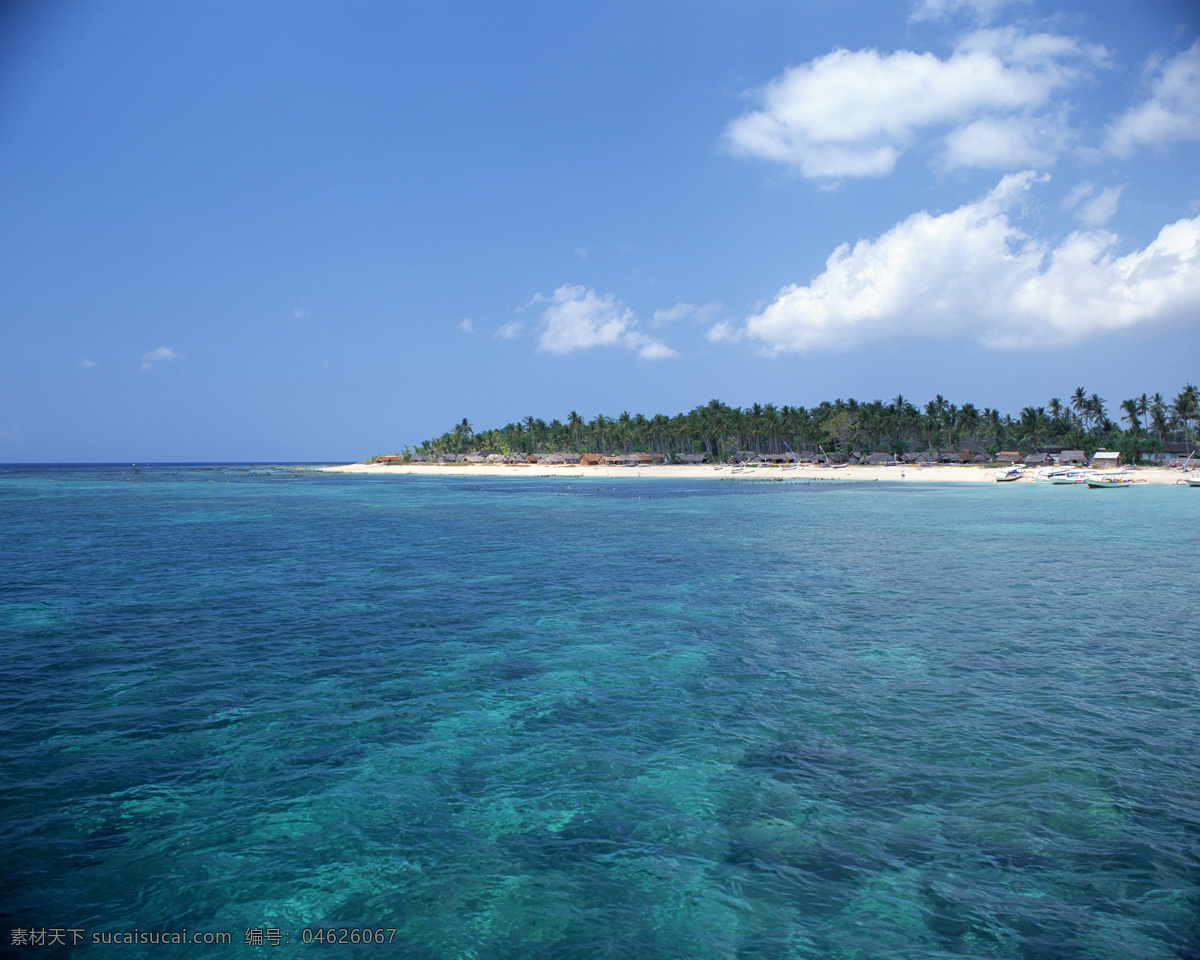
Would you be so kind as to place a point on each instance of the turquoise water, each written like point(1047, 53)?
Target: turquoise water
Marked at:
point(648, 719)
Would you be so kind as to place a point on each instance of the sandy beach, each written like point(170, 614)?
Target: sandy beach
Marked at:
point(966, 473)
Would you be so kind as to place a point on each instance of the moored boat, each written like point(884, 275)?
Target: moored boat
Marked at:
point(1097, 483)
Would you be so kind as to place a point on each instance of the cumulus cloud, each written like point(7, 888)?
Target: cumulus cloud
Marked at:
point(972, 274)
point(854, 113)
point(510, 331)
point(576, 318)
point(700, 313)
point(160, 355)
point(466, 326)
point(1171, 112)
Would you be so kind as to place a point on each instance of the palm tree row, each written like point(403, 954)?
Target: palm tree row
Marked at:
point(719, 430)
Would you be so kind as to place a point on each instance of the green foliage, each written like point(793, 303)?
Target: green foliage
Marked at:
point(720, 431)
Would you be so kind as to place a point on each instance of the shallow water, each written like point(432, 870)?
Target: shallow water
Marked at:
point(552, 719)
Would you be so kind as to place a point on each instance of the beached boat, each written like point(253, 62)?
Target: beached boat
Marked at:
point(1097, 483)
point(1073, 477)
point(1015, 474)
point(1190, 481)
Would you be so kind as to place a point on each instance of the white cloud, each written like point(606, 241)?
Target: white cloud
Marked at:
point(1172, 111)
point(853, 113)
point(1006, 143)
point(682, 310)
point(466, 326)
point(1100, 208)
point(159, 355)
point(86, 362)
point(1081, 191)
point(981, 10)
point(724, 331)
point(971, 274)
point(301, 314)
point(510, 330)
point(579, 319)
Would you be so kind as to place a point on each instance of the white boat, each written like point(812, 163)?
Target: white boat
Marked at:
point(1073, 477)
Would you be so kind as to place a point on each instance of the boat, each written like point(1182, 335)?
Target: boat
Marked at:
point(1014, 474)
point(1070, 476)
point(1190, 481)
point(1097, 483)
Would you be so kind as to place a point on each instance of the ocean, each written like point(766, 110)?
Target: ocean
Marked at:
point(512, 718)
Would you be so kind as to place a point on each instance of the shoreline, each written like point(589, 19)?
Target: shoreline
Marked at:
point(941, 473)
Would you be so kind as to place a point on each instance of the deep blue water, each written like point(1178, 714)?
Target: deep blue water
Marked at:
point(634, 719)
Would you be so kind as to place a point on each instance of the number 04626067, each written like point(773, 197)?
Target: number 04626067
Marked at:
point(348, 935)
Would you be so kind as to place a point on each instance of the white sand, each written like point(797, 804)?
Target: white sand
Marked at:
point(905, 474)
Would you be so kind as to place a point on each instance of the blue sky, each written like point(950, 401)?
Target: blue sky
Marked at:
point(318, 231)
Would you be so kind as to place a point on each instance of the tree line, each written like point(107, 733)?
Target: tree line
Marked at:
point(1083, 421)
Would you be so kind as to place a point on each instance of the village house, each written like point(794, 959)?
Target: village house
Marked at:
point(1173, 452)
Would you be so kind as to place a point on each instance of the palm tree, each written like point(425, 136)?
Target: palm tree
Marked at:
point(1158, 414)
point(575, 424)
point(950, 416)
point(1079, 403)
point(1033, 422)
point(1187, 408)
point(598, 427)
point(932, 422)
point(770, 420)
point(968, 418)
point(623, 422)
point(1096, 408)
point(1131, 414)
